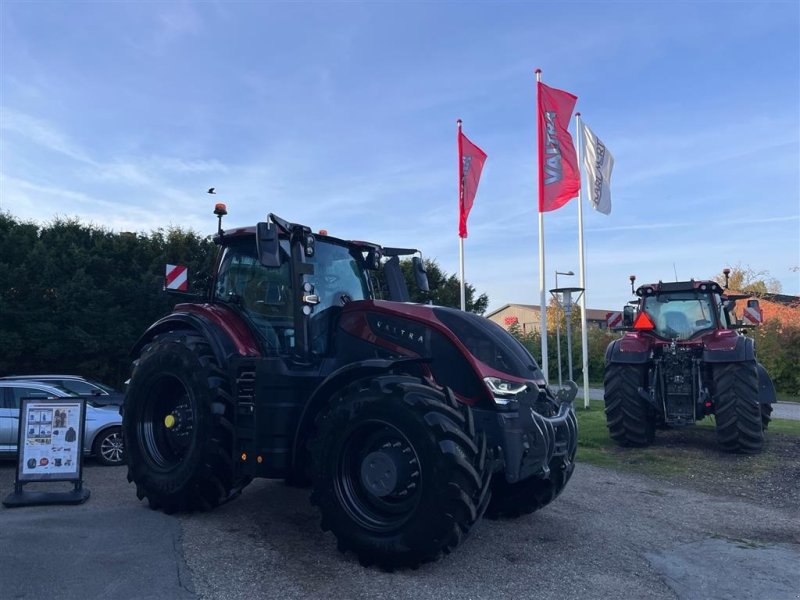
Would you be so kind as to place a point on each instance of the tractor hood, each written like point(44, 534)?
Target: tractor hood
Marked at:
point(494, 348)
point(465, 349)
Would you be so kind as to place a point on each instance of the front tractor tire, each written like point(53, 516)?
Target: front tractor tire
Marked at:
point(630, 420)
point(512, 500)
point(177, 426)
point(740, 418)
point(400, 475)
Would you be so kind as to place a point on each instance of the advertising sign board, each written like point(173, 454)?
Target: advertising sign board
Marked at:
point(50, 448)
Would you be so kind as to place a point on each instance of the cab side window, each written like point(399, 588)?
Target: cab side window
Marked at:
point(262, 293)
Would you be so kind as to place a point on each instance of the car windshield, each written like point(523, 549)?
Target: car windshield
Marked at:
point(680, 315)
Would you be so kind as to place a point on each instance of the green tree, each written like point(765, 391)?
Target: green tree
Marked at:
point(748, 280)
point(75, 297)
point(445, 290)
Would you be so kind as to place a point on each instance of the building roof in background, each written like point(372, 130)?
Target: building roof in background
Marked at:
point(592, 314)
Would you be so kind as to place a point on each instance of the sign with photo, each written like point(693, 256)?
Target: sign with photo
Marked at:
point(50, 439)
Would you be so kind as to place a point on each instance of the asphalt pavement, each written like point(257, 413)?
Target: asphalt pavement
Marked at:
point(609, 535)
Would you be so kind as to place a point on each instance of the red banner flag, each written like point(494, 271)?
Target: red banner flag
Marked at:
point(470, 165)
point(559, 178)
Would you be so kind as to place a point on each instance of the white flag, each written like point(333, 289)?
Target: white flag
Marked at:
point(597, 166)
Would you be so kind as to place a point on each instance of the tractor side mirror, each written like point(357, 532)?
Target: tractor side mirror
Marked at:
point(373, 259)
point(268, 245)
point(628, 314)
point(420, 275)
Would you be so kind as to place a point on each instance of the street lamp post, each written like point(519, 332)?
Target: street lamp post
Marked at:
point(558, 331)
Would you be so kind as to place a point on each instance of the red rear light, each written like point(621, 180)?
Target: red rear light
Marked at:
point(644, 322)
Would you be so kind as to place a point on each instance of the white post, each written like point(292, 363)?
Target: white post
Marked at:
point(461, 263)
point(542, 297)
point(582, 267)
point(460, 209)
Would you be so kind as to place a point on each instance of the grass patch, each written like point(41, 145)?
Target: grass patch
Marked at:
point(689, 451)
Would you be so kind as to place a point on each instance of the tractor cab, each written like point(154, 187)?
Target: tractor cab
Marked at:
point(288, 283)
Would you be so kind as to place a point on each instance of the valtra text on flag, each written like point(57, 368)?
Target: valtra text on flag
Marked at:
point(559, 178)
point(470, 165)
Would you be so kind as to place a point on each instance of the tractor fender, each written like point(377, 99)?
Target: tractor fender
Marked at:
point(335, 382)
point(619, 352)
point(742, 350)
point(221, 344)
point(766, 389)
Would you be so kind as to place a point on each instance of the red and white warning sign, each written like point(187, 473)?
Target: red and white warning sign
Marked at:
point(177, 278)
point(614, 319)
point(751, 315)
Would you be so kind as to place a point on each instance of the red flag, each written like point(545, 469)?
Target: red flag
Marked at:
point(470, 165)
point(559, 178)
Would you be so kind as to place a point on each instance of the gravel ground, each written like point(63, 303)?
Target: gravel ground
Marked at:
point(610, 535)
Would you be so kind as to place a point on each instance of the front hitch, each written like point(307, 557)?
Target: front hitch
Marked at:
point(531, 441)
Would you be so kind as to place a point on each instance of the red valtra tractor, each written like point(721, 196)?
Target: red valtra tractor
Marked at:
point(408, 421)
point(683, 357)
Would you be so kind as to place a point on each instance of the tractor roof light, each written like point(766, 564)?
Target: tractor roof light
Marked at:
point(220, 210)
point(643, 322)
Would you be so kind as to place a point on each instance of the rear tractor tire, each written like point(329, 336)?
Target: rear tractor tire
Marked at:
point(630, 420)
point(400, 475)
point(177, 425)
point(739, 416)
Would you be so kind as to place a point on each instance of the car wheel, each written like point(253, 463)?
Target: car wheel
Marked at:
point(108, 448)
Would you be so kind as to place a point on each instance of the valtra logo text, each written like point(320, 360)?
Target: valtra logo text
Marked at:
point(552, 165)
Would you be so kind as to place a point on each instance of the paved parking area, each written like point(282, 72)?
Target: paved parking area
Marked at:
point(610, 535)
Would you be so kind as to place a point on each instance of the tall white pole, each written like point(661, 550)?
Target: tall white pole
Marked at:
point(582, 267)
point(542, 297)
point(460, 209)
point(461, 263)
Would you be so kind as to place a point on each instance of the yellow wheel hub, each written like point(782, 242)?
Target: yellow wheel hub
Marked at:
point(169, 421)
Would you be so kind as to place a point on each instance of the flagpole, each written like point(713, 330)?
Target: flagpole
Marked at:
point(460, 201)
point(542, 297)
point(582, 266)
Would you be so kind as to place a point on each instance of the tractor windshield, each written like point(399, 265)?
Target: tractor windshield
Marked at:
point(680, 315)
point(339, 277)
point(338, 270)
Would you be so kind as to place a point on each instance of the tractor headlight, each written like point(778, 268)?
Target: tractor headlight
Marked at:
point(504, 391)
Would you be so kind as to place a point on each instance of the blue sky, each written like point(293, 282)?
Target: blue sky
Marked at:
point(343, 116)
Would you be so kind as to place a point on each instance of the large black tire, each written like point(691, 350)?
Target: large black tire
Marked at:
point(512, 500)
point(438, 487)
point(630, 420)
point(108, 449)
point(739, 418)
point(177, 424)
point(766, 415)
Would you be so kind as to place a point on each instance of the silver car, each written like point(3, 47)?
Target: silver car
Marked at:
point(103, 434)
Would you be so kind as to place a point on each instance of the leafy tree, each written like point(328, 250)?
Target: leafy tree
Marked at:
point(445, 290)
point(749, 281)
point(78, 296)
